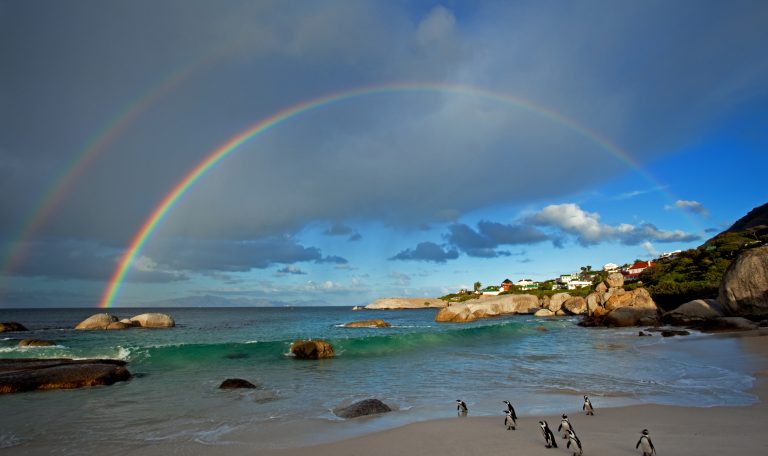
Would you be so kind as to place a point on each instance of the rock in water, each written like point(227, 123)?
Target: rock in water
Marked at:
point(153, 320)
point(557, 300)
point(312, 349)
point(674, 332)
point(97, 321)
point(9, 326)
point(233, 383)
point(728, 324)
point(576, 305)
point(17, 375)
point(544, 313)
point(488, 307)
point(744, 288)
point(36, 343)
point(362, 408)
point(694, 311)
point(367, 324)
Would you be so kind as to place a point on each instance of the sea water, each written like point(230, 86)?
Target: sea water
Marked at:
point(417, 366)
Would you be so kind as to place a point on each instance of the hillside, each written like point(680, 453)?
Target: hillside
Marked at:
point(696, 273)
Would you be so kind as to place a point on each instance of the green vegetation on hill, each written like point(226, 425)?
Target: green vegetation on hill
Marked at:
point(696, 273)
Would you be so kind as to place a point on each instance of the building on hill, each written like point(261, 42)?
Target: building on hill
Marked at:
point(669, 255)
point(527, 284)
point(633, 272)
point(611, 267)
point(506, 284)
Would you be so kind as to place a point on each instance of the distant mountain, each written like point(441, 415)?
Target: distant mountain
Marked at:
point(756, 217)
point(220, 301)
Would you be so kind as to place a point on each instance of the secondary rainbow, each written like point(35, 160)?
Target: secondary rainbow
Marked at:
point(230, 146)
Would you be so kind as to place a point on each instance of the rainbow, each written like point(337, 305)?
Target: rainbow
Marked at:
point(231, 145)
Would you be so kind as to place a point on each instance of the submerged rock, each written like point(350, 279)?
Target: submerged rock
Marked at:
point(36, 343)
point(11, 326)
point(234, 383)
point(362, 408)
point(674, 332)
point(727, 324)
point(18, 375)
point(312, 349)
point(367, 324)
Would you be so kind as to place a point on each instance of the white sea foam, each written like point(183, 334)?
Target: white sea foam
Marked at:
point(8, 440)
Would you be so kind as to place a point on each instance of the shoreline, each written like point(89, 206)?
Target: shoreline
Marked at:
point(678, 430)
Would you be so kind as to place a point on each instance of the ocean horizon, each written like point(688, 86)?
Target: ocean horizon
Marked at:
point(417, 366)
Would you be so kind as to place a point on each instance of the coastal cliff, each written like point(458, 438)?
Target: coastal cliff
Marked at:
point(406, 303)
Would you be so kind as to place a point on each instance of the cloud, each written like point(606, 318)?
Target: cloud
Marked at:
point(694, 207)
point(427, 251)
point(333, 259)
point(290, 269)
point(489, 235)
point(650, 249)
point(585, 227)
point(339, 229)
point(400, 278)
point(636, 193)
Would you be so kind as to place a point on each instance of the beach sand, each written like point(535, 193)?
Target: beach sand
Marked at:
point(610, 432)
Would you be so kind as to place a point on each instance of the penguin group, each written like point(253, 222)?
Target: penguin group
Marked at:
point(566, 429)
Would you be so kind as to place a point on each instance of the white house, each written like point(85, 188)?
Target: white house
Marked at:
point(611, 267)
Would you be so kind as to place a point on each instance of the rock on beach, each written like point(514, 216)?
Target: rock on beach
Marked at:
point(19, 375)
point(362, 408)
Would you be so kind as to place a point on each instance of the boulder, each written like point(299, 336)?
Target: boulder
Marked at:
point(744, 288)
point(36, 343)
point(312, 349)
point(17, 375)
point(128, 322)
point(694, 311)
point(674, 332)
point(96, 321)
point(630, 316)
point(575, 305)
point(593, 301)
point(495, 306)
point(727, 324)
point(11, 326)
point(614, 280)
point(153, 320)
point(638, 298)
point(557, 300)
point(367, 324)
point(643, 334)
point(118, 325)
point(544, 313)
point(234, 383)
point(544, 302)
point(561, 313)
point(601, 288)
point(362, 408)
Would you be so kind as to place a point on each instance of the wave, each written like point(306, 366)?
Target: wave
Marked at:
point(390, 343)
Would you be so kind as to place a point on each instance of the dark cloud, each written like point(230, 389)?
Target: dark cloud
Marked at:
point(291, 269)
point(339, 229)
point(427, 251)
point(356, 237)
point(483, 242)
point(333, 259)
point(694, 207)
point(713, 230)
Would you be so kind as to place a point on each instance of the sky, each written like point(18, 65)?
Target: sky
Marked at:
point(460, 142)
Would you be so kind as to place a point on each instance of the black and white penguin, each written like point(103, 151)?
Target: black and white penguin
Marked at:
point(509, 420)
point(565, 427)
point(512, 410)
point(461, 406)
point(645, 444)
point(587, 407)
point(575, 442)
point(549, 437)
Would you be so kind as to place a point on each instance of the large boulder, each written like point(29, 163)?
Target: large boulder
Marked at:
point(17, 375)
point(96, 321)
point(495, 306)
point(312, 349)
point(544, 313)
point(694, 311)
point(575, 305)
point(362, 408)
point(544, 302)
point(557, 300)
point(727, 324)
point(744, 288)
point(153, 320)
point(631, 316)
point(614, 280)
point(601, 287)
point(367, 324)
point(629, 308)
point(593, 301)
point(638, 298)
point(36, 343)
point(10, 326)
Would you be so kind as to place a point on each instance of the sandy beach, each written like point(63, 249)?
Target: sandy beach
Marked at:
point(611, 431)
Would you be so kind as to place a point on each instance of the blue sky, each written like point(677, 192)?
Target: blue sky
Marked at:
point(410, 193)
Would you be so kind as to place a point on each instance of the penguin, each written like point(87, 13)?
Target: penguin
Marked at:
point(461, 406)
point(549, 437)
point(587, 407)
point(509, 420)
point(573, 440)
point(565, 427)
point(645, 442)
point(512, 410)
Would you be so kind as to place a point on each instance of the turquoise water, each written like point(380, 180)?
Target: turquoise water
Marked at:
point(417, 366)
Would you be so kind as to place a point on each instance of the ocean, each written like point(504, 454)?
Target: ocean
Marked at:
point(418, 367)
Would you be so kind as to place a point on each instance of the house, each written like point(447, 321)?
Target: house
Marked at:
point(506, 284)
point(574, 284)
point(527, 284)
point(633, 272)
point(611, 267)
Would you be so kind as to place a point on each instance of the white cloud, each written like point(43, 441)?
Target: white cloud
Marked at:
point(693, 207)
